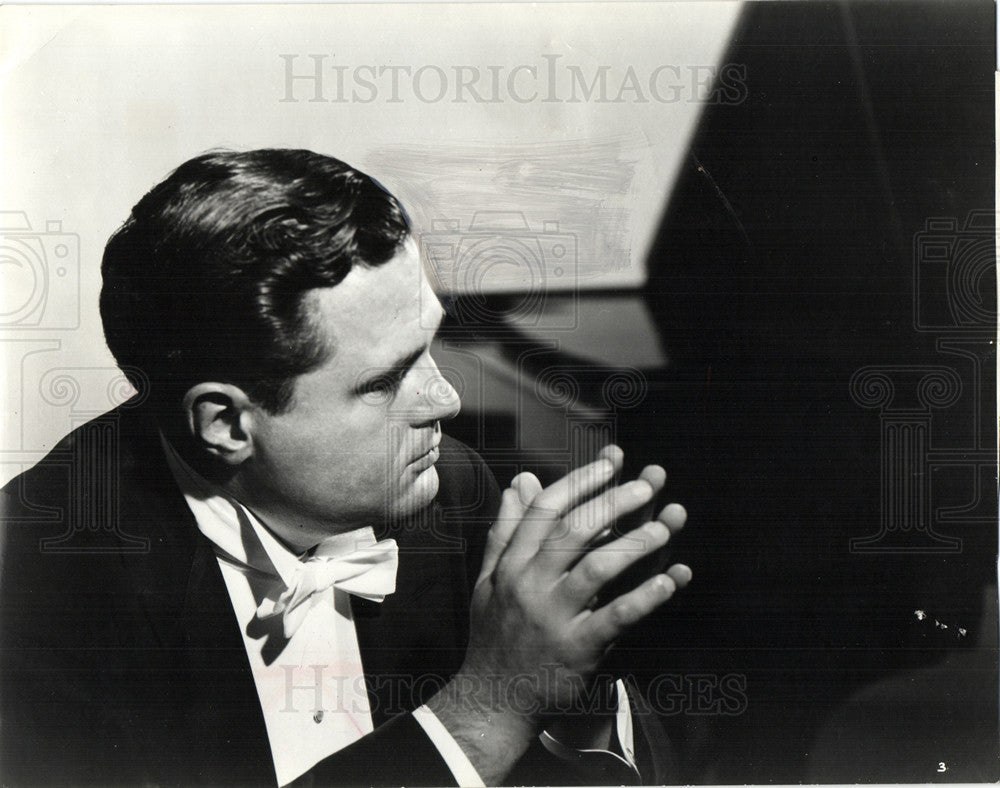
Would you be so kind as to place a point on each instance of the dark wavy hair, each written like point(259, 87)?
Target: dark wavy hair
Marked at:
point(206, 278)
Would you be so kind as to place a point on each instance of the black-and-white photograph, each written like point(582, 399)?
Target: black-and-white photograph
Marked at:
point(498, 393)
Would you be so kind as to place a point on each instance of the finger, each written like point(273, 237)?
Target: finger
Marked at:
point(550, 505)
point(680, 574)
point(575, 532)
point(513, 504)
point(655, 477)
point(673, 516)
point(528, 487)
point(607, 623)
point(614, 455)
point(602, 565)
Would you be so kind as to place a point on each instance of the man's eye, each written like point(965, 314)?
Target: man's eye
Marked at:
point(381, 387)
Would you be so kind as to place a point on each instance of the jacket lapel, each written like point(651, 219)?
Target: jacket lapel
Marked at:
point(200, 668)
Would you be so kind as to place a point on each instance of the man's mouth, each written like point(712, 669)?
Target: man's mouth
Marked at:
point(427, 459)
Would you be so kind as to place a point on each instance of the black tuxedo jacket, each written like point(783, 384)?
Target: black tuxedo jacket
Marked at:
point(122, 662)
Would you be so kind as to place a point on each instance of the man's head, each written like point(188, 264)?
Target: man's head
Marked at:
point(274, 299)
point(206, 278)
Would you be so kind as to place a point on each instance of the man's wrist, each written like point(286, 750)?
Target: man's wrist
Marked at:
point(454, 756)
point(492, 733)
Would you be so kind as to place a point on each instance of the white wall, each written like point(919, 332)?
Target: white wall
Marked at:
point(491, 112)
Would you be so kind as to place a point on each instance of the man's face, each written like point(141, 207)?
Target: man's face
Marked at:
point(359, 440)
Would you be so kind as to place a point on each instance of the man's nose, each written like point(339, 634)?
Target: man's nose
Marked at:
point(440, 400)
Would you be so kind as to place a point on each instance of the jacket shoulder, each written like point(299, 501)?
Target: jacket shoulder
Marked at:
point(465, 479)
point(469, 499)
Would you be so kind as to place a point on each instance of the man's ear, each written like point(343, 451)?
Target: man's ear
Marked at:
point(220, 418)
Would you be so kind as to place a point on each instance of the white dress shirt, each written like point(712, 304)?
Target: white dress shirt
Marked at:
point(311, 685)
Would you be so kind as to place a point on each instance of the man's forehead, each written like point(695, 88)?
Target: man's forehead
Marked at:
point(378, 304)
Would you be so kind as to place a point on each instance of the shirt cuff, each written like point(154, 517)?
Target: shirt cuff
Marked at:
point(623, 729)
point(461, 767)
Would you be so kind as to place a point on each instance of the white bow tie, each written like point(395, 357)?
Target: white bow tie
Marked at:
point(369, 572)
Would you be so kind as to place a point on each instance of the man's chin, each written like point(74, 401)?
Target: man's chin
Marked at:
point(419, 493)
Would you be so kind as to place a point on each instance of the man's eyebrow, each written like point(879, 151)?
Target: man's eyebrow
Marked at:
point(396, 372)
point(399, 368)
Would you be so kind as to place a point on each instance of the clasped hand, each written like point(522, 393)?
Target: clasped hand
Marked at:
point(538, 627)
point(534, 619)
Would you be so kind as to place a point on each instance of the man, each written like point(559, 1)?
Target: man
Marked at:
point(300, 551)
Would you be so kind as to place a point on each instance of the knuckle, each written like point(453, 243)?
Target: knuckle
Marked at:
point(545, 502)
point(581, 522)
point(595, 569)
point(624, 612)
point(559, 533)
point(504, 577)
point(521, 588)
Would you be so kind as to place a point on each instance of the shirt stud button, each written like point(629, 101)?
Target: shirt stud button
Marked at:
point(318, 717)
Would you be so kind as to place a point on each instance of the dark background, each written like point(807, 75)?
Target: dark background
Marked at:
point(788, 258)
